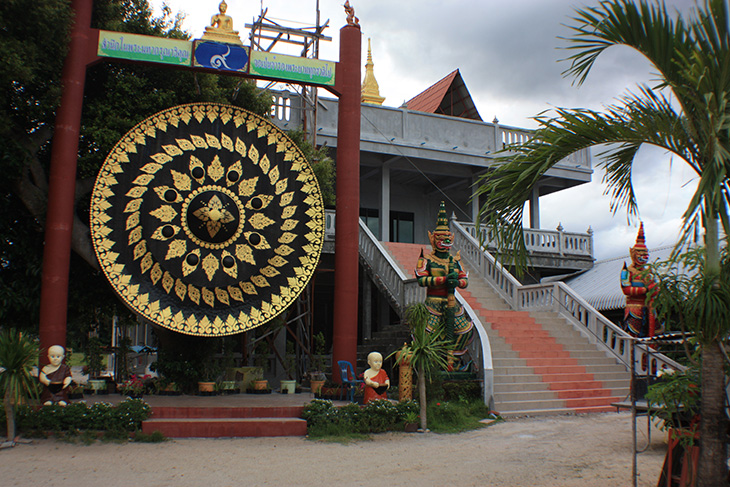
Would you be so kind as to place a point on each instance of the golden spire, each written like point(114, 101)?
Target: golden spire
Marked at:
point(370, 90)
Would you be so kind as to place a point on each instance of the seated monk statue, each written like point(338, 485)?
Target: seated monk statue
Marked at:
point(375, 378)
point(221, 27)
point(56, 377)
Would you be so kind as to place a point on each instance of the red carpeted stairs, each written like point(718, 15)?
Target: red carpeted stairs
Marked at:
point(542, 364)
point(220, 422)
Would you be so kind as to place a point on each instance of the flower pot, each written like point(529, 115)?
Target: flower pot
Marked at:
point(228, 386)
point(260, 384)
point(290, 386)
point(410, 427)
point(97, 385)
point(206, 387)
point(316, 386)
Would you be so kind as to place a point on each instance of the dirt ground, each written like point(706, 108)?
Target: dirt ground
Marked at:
point(565, 451)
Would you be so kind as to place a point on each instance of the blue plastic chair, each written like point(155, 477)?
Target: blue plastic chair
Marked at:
point(348, 384)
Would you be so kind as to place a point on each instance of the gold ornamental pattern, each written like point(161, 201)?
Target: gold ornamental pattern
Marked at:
point(207, 219)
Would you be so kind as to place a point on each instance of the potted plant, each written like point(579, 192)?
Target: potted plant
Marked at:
point(18, 355)
point(133, 387)
point(316, 373)
point(261, 360)
point(675, 400)
point(211, 373)
point(94, 360)
point(410, 422)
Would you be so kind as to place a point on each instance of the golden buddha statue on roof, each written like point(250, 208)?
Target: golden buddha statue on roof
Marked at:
point(221, 27)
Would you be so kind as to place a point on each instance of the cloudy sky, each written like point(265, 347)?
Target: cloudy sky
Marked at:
point(508, 54)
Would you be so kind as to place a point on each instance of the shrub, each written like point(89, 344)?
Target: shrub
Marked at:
point(380, 415)
point(120, 420)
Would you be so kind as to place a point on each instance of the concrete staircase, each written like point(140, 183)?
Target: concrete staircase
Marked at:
point(542, 364)
point(228, 422)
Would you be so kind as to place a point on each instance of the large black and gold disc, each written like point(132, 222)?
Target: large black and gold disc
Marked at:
point(207, 219)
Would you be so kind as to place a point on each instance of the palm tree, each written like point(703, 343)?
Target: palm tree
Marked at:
point(427, 352)
point(18, 355)
point(687, 114)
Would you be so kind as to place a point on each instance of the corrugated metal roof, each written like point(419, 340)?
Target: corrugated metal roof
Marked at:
point(601, 285)
point(448, 96)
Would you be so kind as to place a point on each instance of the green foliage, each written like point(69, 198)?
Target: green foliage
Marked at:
point(185, 360)
point(462, 390)
point(18, 355)
point(406, 410)
point(455, 417)
point(677, 396)
point(322, 165)
point(428, 351)
point(94, 358)
point(324, 420)
point(685, 114)
point(33, 38)
point(154, 437)
point(117, 96)
point(127, 416)
point(689, 299)
point(690, 60)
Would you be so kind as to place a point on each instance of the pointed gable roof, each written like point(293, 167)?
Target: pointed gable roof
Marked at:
point(448, 96)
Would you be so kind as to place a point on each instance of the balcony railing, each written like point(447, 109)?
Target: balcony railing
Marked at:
point(554, 242)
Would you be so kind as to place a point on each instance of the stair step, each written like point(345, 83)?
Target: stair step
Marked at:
point(557, 411)
point(171, 412)
point(573, 404)
point(225, 427)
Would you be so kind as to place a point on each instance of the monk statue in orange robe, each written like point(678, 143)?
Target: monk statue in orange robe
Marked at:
point(375, 378)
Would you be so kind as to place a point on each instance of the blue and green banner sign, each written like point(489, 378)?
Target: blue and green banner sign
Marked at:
point(144, 48)
point(292, 68)
point(221, 56)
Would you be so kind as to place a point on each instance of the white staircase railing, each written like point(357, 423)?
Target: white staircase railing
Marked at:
point(561, 299)
point(540, 241)
point(405, 291)
point(402, 289)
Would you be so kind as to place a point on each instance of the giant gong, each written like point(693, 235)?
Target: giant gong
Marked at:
point(207, 219)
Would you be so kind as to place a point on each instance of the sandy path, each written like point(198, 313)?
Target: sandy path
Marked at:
point(565, 451)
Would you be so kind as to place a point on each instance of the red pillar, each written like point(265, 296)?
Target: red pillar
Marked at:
point(347, 230)
point(62, 184)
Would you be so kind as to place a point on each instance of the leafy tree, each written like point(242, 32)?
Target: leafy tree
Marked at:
point(427, 352)
point(692, 60)
point(117, 96)
point(18, 355)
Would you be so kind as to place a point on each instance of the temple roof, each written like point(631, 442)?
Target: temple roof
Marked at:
point(448, 96)
point(601, 285)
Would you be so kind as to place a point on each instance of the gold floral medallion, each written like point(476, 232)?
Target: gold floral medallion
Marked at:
point(207, 219)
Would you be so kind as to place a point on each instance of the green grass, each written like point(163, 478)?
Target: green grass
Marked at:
point(456, 416)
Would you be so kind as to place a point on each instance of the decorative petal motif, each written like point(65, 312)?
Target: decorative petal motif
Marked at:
point(164, 213)
point(182, 181)
point(247, 186)
point(259, 221)
point(210, 266)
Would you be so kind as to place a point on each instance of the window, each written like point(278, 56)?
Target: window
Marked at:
point(401, 227)
point(371, 217)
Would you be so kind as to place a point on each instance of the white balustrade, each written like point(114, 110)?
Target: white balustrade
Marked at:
point(557, 297)
point(539, 241)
